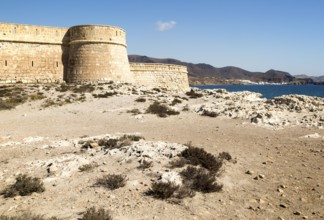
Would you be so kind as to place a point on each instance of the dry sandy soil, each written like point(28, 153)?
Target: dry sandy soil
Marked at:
point(274, 173)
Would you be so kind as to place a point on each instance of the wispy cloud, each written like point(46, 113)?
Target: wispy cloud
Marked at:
point(164, 26)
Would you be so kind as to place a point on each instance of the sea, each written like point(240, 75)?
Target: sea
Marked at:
point(270, 91)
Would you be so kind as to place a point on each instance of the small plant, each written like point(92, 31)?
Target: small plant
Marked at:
point(176, 101)
point(106, 143)
point(37, 96)
point(186, 108)
point(178, 163)
point(112, 143)
point(198, 156)
point(193, 95)
point(161, 110)
point(26, 216)
point(209, 113)
point(131, 137)
point(112, 181)
point(88, 167)
point(134, 111)
point(105, 95)
point(94, 214)
point(63, 88)
point(140, 99)
point(12, 102)
point(84, 88)
point(200, 179)
point(24, 186)
point(224, 156)
point(163, 190)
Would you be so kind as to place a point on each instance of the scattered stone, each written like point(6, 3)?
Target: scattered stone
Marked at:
point(282, 205)
point(249, 172)
point(261, 176)
point(297, 213)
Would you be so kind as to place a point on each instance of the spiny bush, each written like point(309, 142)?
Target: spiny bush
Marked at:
point(24, 186)
point(140, 99)
point(200, 179)
point(88, 167)
point(198, 156)
point(112, 181)
point(94, 214)
point(193, 95)
point(161, 110)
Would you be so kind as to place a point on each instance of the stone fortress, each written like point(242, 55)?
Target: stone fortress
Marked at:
point(85, 53)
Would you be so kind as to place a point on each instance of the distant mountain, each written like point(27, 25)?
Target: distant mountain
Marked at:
point(206, 74)
point(315, 78)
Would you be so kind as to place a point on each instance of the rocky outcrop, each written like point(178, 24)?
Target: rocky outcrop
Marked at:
point(277, 112)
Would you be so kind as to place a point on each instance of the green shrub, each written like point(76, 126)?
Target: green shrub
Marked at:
point(24, 186)
point(161, 110)
point(112, 181)
point(93, 214)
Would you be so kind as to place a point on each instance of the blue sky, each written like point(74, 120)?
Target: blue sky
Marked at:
point(256, 35)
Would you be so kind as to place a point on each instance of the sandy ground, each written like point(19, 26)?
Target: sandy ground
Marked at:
point(286, 179)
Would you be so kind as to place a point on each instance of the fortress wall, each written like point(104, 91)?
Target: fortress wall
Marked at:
point(33, 34)
point(31, 63)
point(171, 77)
point(98, 53)
point(32, 54)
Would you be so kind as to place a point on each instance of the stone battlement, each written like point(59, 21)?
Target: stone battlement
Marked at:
point(83, 53)
point(33, 34)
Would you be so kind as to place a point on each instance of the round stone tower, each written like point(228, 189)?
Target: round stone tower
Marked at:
point(98, 53)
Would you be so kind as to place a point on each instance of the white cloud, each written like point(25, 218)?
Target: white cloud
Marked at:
point(164, 26)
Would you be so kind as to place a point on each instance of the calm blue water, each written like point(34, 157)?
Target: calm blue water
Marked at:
point(270, 91)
